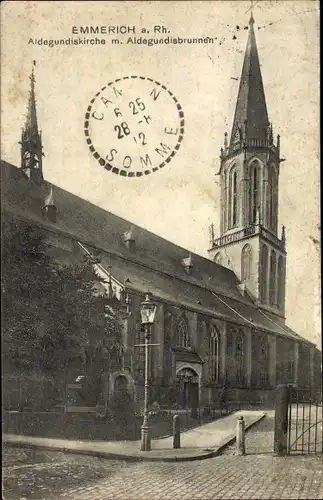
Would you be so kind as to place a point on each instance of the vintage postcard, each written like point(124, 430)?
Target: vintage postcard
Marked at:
point(161, 249)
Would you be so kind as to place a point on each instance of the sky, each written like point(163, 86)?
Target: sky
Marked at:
point(180, 201)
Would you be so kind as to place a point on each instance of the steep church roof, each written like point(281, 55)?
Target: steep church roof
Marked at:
point(251, 117)
point(155, 264)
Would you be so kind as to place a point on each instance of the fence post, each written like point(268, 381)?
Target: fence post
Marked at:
point(281, 420)
point(176, 431)
point(241, 448)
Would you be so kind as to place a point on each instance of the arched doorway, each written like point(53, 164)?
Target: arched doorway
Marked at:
point(188, 388)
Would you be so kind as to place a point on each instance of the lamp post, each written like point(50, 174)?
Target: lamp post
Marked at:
point(147, 311)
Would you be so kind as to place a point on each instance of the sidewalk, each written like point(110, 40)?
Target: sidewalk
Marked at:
point(196, 444)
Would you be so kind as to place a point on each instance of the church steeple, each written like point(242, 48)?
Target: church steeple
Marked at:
point(248, 242)
point(251, 117)
point(31, 143)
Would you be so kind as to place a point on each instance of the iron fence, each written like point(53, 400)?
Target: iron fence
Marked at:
point(305, 432)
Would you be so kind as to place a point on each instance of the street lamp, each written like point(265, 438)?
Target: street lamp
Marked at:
point(147, 311)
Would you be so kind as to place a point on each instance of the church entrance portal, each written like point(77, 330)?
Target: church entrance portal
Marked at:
point(188, 389)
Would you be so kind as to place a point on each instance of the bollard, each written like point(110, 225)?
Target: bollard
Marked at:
point(176, 431)
point(241, 448)
point(281, 420)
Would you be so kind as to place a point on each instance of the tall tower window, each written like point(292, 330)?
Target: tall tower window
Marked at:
point(272, 282)
point(263, 273)
point(182, 333)
point(254, 192)
point(214, 354)
point(233, 198)
point(218, 258)
point(281, 280)
point(246, 258)
point(272, 198)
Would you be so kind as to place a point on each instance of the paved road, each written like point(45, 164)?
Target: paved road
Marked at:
point(53, 475)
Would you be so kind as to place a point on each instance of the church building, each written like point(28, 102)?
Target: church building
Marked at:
point(219, 320)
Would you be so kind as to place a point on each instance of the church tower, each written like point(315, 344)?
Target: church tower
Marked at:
point(31, 143)
point(249, 243)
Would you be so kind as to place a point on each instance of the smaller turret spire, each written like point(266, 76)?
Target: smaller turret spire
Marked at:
point(283, 235)
point(49, 200)
point(49, 208)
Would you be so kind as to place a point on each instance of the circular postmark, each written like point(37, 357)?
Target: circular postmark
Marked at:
point(134, 126)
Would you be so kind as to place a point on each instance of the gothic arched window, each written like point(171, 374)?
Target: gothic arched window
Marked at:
point(182, 333)
point(272, 198)
point(239, 357)
point(254, 191)
point(233, 198)
point(246, 258)
point(272, 279)
point(218, 258)
point(281, 281)
point(263, 273)
point(235, 357)
point(263, 361)
point(214, 354)
point(260, 359)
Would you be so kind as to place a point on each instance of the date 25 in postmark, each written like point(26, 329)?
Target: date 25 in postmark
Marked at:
point(134, 126)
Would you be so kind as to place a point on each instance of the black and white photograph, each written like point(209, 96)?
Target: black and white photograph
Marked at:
point(161, 260)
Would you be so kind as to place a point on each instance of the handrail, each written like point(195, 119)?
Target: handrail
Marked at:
point(245, 233)
point(250, 142)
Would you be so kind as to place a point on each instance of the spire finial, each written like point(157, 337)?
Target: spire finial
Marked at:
point(32, 76)
point(251, 20)
point(283, 235)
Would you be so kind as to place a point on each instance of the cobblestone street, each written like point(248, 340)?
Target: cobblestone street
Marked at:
point(50, 475)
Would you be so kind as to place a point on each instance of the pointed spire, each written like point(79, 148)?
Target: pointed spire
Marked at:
point(49, 208)
point(31, 143)
point(211, 233)
point(31, 125)
point(49, 200)
point(225, 141)
point(283, 235)
point(251, 109)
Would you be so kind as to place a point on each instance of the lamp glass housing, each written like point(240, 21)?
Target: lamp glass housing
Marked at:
point(148, 310)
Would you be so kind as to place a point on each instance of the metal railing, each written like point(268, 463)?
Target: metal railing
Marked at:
point(253, 143)
point(246, 233)
point(305, 431)
point(236, 236)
